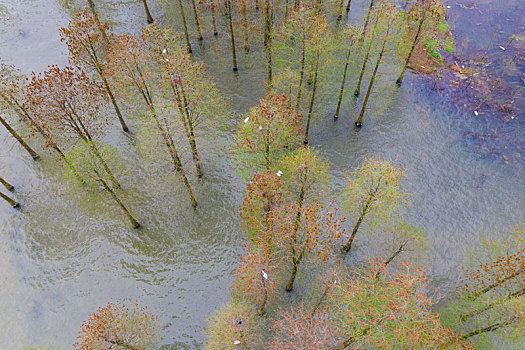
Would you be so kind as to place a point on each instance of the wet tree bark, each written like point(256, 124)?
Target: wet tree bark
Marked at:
point(148, 14)
point(10, 200)
point(340, 98)
point(234, 55)
point(312, 100)
point(31, 152)
point(196, 15)
point(6, 184)
point(359, 121)
point(186, 35)
point(399, 80)
point(131, 219)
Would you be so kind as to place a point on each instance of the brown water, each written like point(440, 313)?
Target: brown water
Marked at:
point(60, 259)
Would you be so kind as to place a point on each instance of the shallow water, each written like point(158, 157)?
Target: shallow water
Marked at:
point(60, 259)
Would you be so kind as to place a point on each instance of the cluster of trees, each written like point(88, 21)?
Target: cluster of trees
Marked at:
point(167, 93)
point(295, 233)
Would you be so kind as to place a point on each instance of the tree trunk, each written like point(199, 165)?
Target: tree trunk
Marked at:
point(132, 220)
point(148, 14)
point(188, 126)
point(340, 99)
point(490, 328)
point(270, 72)
point(493, 304)
point(7, 185)
point(196, 15)
point(363, 68)
point(33, 154)
point(186, 35)
point(367, 18)
point(9, 200)
point(103, 162)
point(214, 20)
point(289, 285)
point(113, 100)
point(348, 6)
point(311, 108)
point(348, 244)
point(400, 79)
point(245, 26)
point(301, 74)
point(234, 55)
point(359, 121)
point(99, 25)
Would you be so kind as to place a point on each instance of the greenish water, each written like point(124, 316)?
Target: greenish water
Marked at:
point(59, 260)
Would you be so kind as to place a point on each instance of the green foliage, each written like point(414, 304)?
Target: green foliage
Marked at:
point(432, 46)
point(235, 326)
point(304, 171)
point(380, 184)
point(268, 131)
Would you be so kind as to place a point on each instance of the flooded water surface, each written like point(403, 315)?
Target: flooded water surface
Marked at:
point(63, 255)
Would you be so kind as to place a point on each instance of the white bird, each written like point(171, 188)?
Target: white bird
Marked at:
point(246, 119)
point(476, 113)
point(164, 51)
point(236, 342)
point(260, 127)
point(264, 274)
point(501, 47)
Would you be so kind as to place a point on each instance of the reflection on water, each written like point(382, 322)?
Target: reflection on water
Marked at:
point(60, 259)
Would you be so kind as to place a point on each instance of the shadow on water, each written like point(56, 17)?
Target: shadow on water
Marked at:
point(61, 259)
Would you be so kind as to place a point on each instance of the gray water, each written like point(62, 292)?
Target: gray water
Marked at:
point(62, 256)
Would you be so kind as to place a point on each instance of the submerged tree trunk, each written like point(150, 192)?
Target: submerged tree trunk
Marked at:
point(369, 201)
point(340, 98)
point(112, 99)
point(245, 26)
point(31, 152)
point(399, 80)
point(359, 121)
point(99, 25)
point(148, 14)
point(348, 6)
point(10, 200)
point(196, 15)
point(131, 219)
point(234, 55)
point(365, 62)
point(188, 126)
point(312, 100)
point(186, 35)
point(7, 184)
point(214, 20)
point(301, 74)
point(289, 285)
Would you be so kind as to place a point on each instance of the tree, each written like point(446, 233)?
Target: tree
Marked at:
point(490, 299)
point(305, 43)
point(268, 130)
point(87, 41)
point(8, 88)
point(390, 312)
point(235, 326)
point(119, 327)
point(130, 64)
point(8, 199)
point(257, 277)
point(349, 34)
point(374, 195)
point(295, 328)
point(420, 12)
point(66, 103)
point(386, 13)
point(304, 174)
point(305, 232)
point(148, 14)
point(263, 193)
point(13, 97)
point(89, 168)
point(194, 93)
